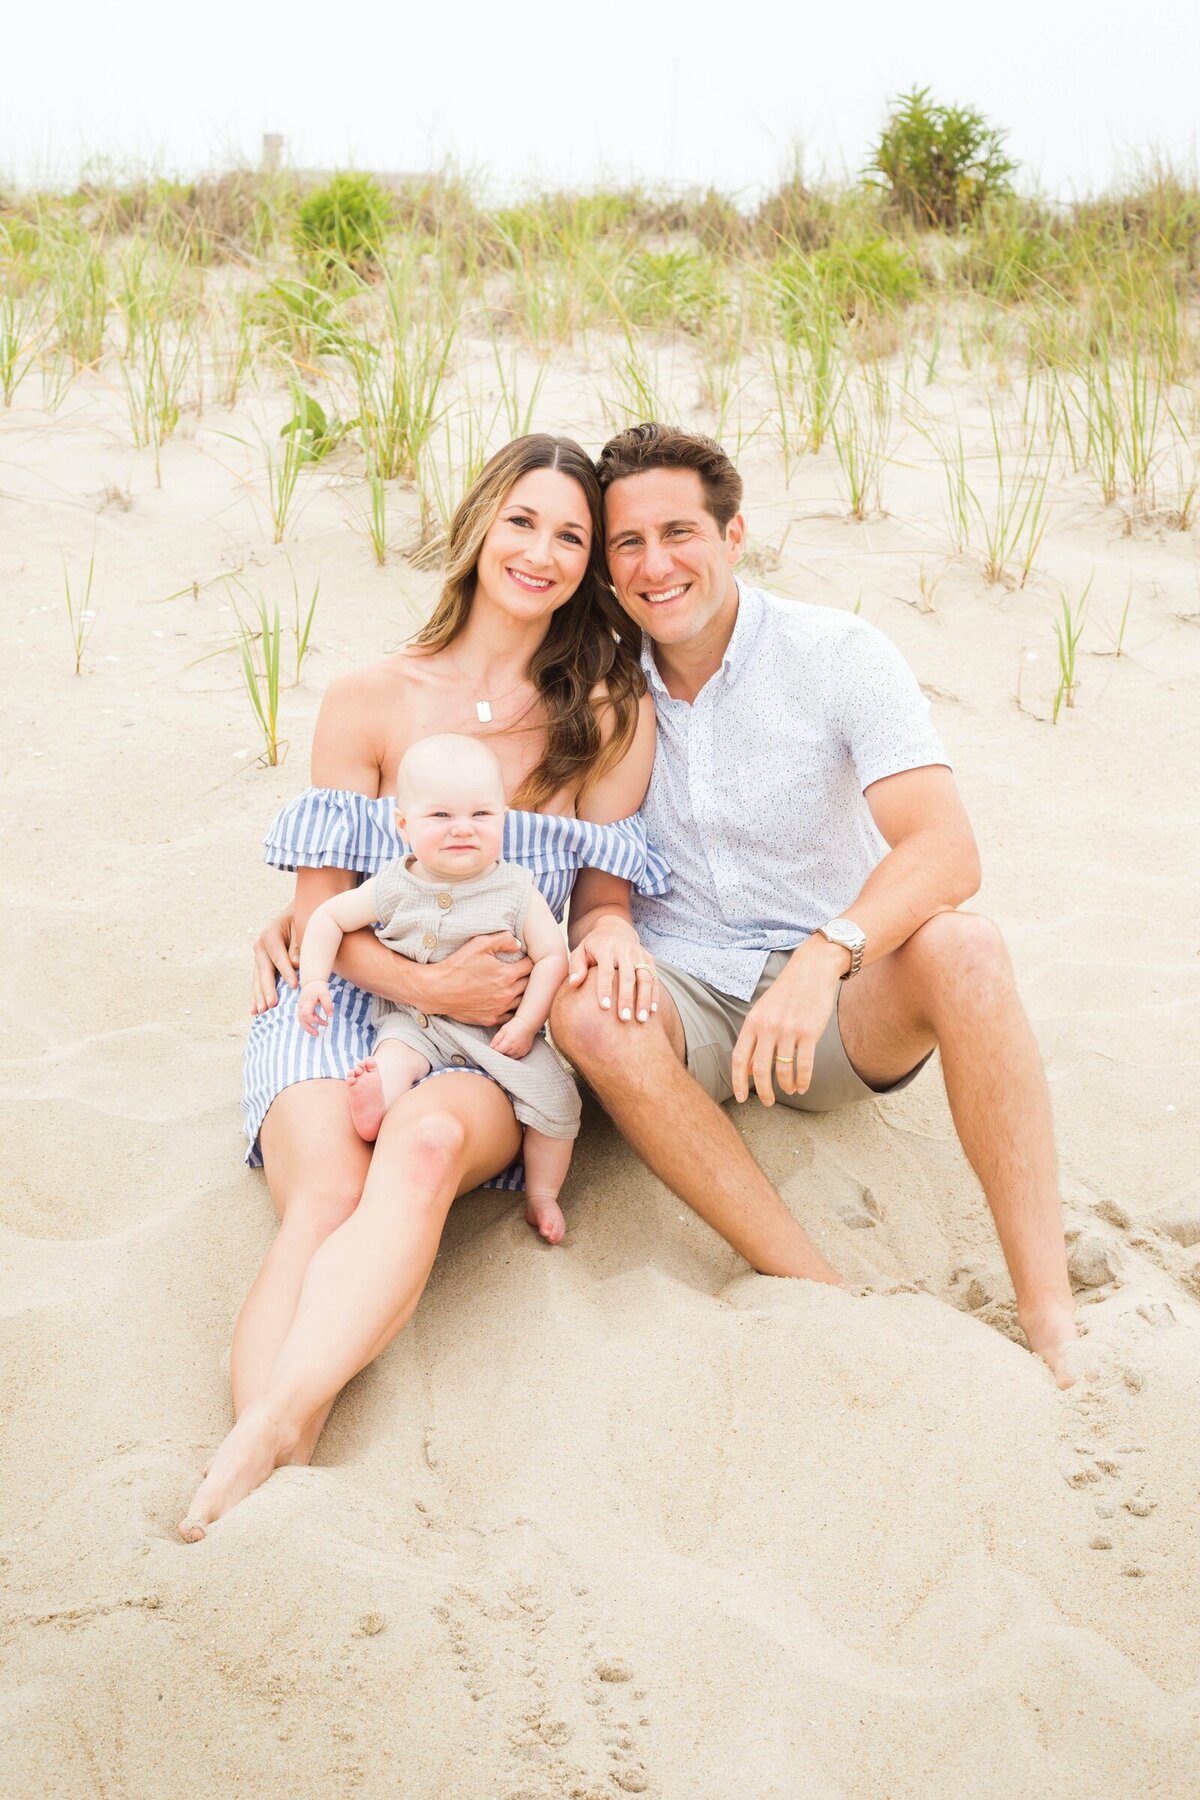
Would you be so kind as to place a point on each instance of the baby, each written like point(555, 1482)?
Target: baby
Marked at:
point(453, 887)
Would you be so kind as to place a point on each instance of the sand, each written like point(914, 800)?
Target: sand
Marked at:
point(618, 1517)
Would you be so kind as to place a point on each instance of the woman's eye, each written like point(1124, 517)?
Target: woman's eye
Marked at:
point(520, 519)
point(570, 538)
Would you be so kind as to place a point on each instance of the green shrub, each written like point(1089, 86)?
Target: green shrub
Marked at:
point(939, 164)
point(853, 280)
point(345, 222)
point(670, 287)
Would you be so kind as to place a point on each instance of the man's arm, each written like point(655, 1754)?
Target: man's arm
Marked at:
point(932, 866)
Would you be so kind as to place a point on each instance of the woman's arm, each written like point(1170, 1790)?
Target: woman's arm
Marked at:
point(600, 928)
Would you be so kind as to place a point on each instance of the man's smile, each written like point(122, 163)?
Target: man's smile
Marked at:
point(657, 597)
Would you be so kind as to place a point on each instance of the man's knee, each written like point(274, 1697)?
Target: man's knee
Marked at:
point(960, 952)
point(582, 1029)
point(594, 1038)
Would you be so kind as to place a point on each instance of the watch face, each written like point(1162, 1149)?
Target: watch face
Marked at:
point(843, 932)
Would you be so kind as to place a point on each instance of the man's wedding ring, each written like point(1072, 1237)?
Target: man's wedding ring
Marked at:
point(785, 1059)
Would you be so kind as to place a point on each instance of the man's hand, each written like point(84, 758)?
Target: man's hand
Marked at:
point(779, 1039)
point(316, 1007)
point(276, 952)
point(473, 985)
point(514, 1039)
point(623, 968)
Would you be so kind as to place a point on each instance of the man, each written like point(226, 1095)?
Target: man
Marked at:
point(810, 948)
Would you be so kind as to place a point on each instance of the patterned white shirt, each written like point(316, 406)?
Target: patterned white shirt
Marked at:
point(756, 799)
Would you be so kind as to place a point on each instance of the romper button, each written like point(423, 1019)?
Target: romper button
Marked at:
point(423, 1021)
point(460, 1062)
point(430, 940)
point(445, 902)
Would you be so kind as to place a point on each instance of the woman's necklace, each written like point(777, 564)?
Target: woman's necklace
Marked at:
point(483, 707)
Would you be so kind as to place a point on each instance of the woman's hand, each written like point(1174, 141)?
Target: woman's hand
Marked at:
point(473, 985)
point(624, 969)
point(276, 952)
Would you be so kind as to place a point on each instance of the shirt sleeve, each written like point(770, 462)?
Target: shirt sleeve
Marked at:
point(885, 722)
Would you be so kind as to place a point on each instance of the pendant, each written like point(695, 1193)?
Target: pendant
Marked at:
point(483, 712)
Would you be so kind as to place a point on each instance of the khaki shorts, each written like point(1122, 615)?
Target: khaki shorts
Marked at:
point(711, 1022)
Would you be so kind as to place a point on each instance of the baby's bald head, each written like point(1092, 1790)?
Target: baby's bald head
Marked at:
point(449, 766)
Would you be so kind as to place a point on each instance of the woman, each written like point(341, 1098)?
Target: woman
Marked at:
point(528, 650)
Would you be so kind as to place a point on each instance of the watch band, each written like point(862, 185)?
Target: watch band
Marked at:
point(847, 936)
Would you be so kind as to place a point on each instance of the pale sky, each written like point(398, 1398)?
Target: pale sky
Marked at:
point(559, 93)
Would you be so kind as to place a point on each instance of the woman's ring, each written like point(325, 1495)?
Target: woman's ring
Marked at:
point(649, 968)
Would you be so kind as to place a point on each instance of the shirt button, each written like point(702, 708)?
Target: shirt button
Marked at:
point(460, 1062)
point(430, 940)
point(423, 1021)
point(445, 902)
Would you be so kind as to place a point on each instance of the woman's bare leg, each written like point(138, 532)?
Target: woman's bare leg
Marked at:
point(362, 1284)
point(316, 1165)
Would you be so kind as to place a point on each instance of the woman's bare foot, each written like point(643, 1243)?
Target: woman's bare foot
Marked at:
point(543, 1212)
point(367, 1104)
point(256, 1446)
point(1052, 1335)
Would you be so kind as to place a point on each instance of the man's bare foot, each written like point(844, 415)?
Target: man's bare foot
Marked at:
point(543, 1212)
point(256, 1446)
point(1052, 1335)
point(367, 1104)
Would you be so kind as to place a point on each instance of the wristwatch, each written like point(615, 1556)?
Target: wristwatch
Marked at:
point(846, 933)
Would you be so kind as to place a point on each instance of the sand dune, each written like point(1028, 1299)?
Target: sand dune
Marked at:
point(619, 1517)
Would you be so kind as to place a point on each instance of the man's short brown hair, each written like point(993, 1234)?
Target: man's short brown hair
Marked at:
point(651, 446)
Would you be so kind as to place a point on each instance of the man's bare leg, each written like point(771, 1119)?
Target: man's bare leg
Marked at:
point(952, 982)
point(638, 1072)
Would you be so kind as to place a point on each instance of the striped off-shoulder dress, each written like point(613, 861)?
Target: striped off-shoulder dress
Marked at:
point(333, 828)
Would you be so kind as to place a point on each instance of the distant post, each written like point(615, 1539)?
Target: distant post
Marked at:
point(272, 151)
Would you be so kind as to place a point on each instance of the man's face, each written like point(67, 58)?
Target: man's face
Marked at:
point(671, 568)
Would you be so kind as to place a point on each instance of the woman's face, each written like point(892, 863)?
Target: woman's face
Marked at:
point(536, 551)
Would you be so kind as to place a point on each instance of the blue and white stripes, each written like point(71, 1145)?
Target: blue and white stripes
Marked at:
point(333, 828)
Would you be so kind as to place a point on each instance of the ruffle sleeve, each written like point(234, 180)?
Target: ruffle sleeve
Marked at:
point(333, 828)
point(544, 843)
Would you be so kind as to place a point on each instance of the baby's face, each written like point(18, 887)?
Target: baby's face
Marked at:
point(455, 825)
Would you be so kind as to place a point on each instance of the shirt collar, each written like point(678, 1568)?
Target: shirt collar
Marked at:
point(751, 607)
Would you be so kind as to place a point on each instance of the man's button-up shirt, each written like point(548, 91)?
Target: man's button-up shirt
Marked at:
point(756, 798)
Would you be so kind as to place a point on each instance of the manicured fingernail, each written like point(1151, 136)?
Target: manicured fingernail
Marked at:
point(625, 1013)
point(606, 1001)
point(643, 1015)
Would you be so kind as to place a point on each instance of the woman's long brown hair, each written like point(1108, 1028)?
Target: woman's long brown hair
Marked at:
point(590, 644)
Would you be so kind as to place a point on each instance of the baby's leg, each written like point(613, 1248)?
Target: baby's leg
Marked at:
point(546, 1161)
point(379, 1081)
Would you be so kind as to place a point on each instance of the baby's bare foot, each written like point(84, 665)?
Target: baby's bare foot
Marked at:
point(543, 1212)
point(367, 1105)
point(258, 1443)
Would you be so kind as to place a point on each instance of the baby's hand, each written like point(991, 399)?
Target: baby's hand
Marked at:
point(514, 1039)
point(316, 1006)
